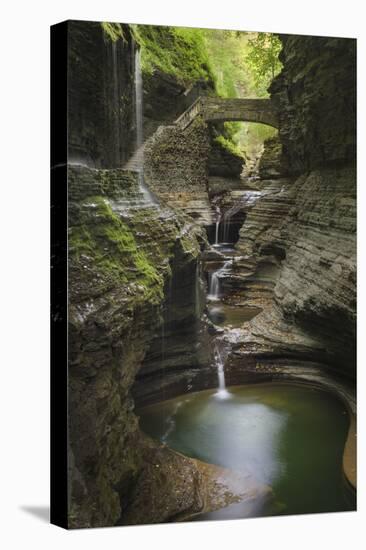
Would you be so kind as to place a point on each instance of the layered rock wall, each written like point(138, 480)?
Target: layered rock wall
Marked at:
point(101, 126)
point(301, 233)
point(176, 169)
point(121, 254)
point(315, 96)
point(222, 162)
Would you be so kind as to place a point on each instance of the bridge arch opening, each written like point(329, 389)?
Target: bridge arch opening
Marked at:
point(250, 137)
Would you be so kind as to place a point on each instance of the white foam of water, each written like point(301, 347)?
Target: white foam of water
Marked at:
point(139, 128)
point(214, 287)
point(222, 392)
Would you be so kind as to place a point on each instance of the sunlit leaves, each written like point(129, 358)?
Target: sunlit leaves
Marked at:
point(262, 59)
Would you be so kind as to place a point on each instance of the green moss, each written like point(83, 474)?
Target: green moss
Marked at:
point(113, 31)
point(229, 146)
point(109, 245)
point(177, 51)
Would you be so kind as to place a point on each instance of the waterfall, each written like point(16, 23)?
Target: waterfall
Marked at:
point(222, 392)
point(139, 151)
point(116, 94)
point(213, 292)
point(217, 223)
point(138, 99)
point(227, 221)
point(217, 232)
point(214, 281)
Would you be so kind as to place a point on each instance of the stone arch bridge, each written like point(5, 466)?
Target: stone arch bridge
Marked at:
point(216, 109)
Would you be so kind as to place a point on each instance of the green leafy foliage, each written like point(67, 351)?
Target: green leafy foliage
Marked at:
point(229, 145)
point(242, 69)
point(262, 59)
point(227, 51)
point(234, 63)
point(252, 135)
point(176, 51)
point(113, 31)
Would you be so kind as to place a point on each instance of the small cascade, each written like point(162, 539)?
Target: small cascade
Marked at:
point(217, 232)
point(226, 221)
point(214, 282)
point(222, 392)
point(139, 151)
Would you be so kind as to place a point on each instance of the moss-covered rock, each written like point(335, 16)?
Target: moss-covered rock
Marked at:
point(121, 255)
point(177, 51)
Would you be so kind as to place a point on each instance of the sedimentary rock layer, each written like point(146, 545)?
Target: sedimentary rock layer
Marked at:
point(176, 169)
point(301, 233)
point(120, 251)
point(101, 129)
point(315, 96)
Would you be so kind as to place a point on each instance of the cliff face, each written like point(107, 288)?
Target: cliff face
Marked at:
point(315, 94)
point(121, 255)
point(299, 239)
point(176, 169)
point(136, 297)
point(223, 162)
point(100, 95)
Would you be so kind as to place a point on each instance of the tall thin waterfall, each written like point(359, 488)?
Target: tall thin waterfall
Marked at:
point(217, 232)
point(138, 100)
point(139, 152)
point(222, 392)
point(116, 93)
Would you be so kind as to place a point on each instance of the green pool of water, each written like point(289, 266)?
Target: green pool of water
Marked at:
point(235, 316)
point(286, 436)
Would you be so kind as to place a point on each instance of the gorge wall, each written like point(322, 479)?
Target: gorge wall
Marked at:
point(299, 239)
point(124, 253)
point(136, 281)
point(121, 255)
point(100, 94)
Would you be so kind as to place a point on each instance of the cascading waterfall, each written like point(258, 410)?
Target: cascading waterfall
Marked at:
point(214, 286)
point(217, 232)
point(226, 228)
point(139, 129)
point(218, 219)
point(222, 392)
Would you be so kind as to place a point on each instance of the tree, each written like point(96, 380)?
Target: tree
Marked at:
point(262, 58)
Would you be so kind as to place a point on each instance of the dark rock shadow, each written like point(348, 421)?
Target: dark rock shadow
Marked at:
point(40, 512)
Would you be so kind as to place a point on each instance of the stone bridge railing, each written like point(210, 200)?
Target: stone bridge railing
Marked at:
point(191, 113)
point(213, 109)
